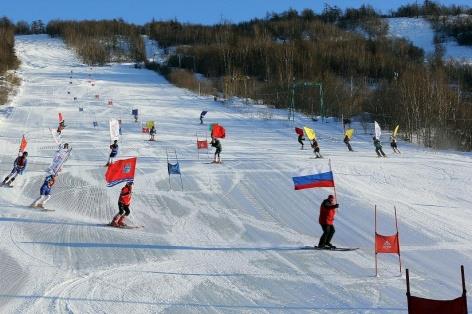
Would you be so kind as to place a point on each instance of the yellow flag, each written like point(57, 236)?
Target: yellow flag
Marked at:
point(310, 133)
point(349, 133)
point(395, 131)
point(149, 124)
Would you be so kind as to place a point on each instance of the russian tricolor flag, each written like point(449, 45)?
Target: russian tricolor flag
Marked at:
point(320, 180)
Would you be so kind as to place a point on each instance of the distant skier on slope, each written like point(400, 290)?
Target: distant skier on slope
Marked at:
point(113, 152)
point(123, 205)
point(393, 144)
point(347, 142)
point(378, 148)
point(152, 133)
point(326, 220)
point(19, 165)
point(217, 144)
point(61, 127)
point(300, 140)
point(316, 148)
point(45, 191)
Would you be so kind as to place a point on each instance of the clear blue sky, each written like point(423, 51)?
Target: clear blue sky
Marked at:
point(194, 11)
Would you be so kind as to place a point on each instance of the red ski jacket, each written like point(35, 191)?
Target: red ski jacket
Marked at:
point(125, 195)
point(327, 213)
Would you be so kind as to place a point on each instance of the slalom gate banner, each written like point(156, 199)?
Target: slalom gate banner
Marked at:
point(202, 144)
point(23, 144)
point(203, 113)
point(299, 131)
point(378, 131)
point(121, 171)
point(61, 118)
point(149, 124)
point(310, 133)
point(319, 180)
point(173, 169)
point(349, 133)
point(60, 157)
point(114, 129)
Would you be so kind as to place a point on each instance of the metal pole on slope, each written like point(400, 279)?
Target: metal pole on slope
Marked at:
point(180, 174)
point(334, 184)
point(398, 240)
point(375, 239)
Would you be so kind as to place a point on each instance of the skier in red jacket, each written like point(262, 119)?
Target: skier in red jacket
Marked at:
point(123, 205)
point(326, 220)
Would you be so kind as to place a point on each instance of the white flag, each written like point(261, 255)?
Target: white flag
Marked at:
point(378, 132)
point(60, 157)
point(114, 129)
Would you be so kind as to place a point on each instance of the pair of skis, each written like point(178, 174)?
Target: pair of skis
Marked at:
point(338, 249)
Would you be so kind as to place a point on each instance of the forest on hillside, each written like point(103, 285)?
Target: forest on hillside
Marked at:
point(8, 59)
point(100, 42)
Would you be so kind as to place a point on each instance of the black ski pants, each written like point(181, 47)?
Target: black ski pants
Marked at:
point(123, 209)
point(328, 232)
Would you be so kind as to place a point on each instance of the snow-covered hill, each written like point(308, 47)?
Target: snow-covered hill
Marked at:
point(421, 34)
point(230, 241)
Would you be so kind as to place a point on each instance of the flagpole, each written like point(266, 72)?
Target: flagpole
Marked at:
point(334, 184)
point(180, 174)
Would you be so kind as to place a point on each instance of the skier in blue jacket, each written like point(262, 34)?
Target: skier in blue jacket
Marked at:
point(45, 191)
point(19, 166)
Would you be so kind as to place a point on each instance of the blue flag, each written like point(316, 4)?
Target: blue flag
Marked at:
point(173, 169)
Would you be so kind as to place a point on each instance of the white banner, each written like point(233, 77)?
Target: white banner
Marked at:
point(60, 157)
point(56, 137)
point(378, 131)
point(114, 129)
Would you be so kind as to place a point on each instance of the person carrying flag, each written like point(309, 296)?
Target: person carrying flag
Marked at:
point(152, 133)
point(346, 141)
point(378, 148)
point(316, 148)
point(393, 144)
point(123, 205)
point(217, 144)
point(113, 152)
point(326, 220)
point(300, 140)
point(45, 191)
point(19, 165)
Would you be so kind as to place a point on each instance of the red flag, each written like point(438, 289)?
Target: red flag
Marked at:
point(202, 144)
point(60, 117)
point(121, 171)
point(218, 131)
point(299, 131)
point(23, 144)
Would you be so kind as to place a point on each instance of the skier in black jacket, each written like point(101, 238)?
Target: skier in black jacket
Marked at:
point(217, 144)
point(378, 148)
point(316, 148)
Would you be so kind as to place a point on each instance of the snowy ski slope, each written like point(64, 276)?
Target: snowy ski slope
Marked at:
point(230, 241)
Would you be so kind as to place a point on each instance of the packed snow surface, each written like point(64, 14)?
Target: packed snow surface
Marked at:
point(421, 34)
point(230, 241)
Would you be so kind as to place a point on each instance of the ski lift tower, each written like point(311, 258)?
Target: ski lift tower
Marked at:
point(291, 110)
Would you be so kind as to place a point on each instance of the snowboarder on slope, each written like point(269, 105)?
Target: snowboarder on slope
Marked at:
point(19, 165)
point(346, 141)
point(316, 148)
point(378, 148)
point(123, 205)
point(300, 140)
point(217, 144)
point(326, 220)
point(45, 191)
point(393, 144)
point(152, 132)
point(113, 152)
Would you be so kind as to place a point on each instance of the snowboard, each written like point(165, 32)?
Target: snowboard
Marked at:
point(340, 249)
